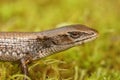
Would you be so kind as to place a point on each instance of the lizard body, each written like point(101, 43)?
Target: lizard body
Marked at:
point(29, 46)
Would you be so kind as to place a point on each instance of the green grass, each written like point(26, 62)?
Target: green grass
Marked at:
point(97, 60)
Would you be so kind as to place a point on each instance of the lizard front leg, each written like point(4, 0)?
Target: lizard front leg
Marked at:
point(24, 66)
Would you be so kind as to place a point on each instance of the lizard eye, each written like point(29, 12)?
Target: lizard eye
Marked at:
point(75, 34)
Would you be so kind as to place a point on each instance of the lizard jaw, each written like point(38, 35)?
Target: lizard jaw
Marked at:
point(81, 41)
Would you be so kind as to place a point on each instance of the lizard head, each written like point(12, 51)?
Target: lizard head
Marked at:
point(71, 34)
point(78, 34)
point(60, 39)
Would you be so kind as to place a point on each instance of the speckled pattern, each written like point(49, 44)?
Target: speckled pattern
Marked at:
point(35, 45)
point(14, 46)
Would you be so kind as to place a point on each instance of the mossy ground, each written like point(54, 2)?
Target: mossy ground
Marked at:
point(97, 60)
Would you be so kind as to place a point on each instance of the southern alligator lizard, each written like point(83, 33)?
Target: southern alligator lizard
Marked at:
point(28, 46)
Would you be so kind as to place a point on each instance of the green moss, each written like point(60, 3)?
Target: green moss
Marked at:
point(97, 60)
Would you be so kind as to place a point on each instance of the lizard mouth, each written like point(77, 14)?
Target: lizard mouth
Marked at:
point(89, 38)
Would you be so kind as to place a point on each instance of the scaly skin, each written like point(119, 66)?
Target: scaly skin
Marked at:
point(28, 46)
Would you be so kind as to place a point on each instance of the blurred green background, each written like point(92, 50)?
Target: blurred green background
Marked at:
point(97, 60)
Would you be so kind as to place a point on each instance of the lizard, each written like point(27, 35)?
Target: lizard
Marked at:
point(29, 46)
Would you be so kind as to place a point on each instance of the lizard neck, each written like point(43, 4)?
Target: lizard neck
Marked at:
point(48, 46)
